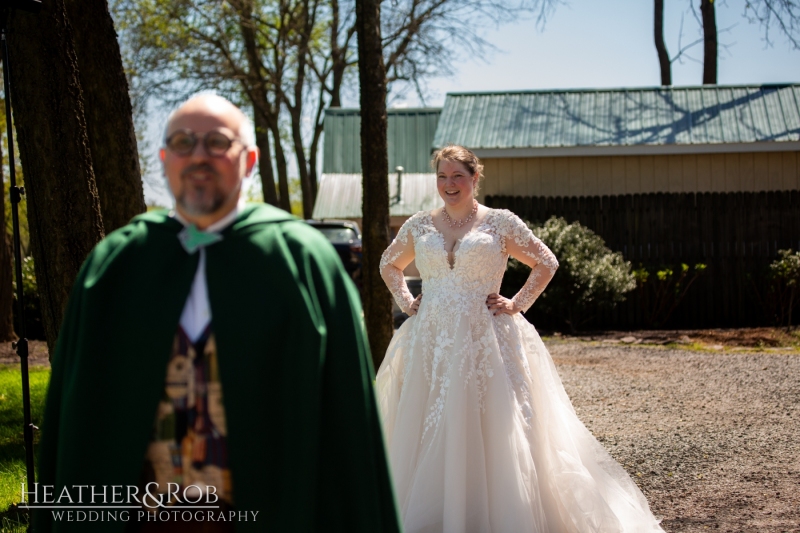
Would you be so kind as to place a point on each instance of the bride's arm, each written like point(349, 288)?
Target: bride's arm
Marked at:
point(525, 247)
point(394, 259)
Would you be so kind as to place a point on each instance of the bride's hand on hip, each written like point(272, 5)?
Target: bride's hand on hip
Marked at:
point(501, 305)
point(415, 306)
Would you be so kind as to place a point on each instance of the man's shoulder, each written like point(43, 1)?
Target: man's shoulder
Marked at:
point(140, 226)
point(292, 228)
point(254, 215)
point(142, 233)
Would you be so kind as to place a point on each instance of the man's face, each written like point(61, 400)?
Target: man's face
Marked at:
point(205, 185)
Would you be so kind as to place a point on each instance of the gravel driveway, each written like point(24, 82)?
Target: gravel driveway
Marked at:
point(711, 438)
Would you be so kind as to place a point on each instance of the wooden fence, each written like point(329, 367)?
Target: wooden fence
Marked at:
point(736, 235)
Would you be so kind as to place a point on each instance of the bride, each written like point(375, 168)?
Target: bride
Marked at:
point(482, 436)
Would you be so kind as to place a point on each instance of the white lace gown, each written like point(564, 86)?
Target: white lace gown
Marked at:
point(482, 436)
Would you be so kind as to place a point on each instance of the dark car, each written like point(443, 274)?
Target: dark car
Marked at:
point(345, 236)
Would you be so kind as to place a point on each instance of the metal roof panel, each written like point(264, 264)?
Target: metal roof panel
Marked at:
point(410, 134)
point(621, 117)
point(790, 104)
point(340, 195)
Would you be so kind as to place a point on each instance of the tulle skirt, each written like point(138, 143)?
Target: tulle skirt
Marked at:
point(482, 436)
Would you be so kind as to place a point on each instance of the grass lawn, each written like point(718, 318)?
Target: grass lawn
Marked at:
point(12, 444)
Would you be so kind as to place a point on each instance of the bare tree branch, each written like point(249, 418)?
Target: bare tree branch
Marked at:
point(783, 14)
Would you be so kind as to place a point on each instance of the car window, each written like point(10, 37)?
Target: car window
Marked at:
point(339, 235)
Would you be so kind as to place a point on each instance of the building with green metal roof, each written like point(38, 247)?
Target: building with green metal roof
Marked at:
point(666, 175)
point(579, 142)
point(410, 134)
point(592, 142)
point(410, 141)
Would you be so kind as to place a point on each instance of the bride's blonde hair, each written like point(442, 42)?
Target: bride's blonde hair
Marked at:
point(459, 154)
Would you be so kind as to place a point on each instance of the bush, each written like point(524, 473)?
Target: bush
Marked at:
point(590, 279)
point(784, 275)
point(663, 289)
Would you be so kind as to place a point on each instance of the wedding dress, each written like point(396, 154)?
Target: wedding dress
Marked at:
point(481, 434)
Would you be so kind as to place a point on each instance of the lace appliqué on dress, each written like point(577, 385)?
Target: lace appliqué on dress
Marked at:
point(393, 276)
point(519, 240)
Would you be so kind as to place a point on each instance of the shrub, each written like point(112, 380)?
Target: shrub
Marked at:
point(664, 288)
point(590, 279)
point(784, 275)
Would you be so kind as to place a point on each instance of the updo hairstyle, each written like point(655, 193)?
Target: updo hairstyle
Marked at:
point(459, 154)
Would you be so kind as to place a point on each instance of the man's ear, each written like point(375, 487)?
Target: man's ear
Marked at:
point(253, 154)
point(162, 153)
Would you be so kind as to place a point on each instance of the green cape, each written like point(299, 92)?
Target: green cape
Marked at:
point(304, 436)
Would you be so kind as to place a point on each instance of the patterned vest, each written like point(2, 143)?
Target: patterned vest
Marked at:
point(188, 445)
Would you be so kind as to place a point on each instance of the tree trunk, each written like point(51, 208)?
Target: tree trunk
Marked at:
point(375, 171)
point(265, 160)
point(108, 113)
point(63, 205)
point(709, 42)
point(296, 115)
point(337, 57)
point(281, 165)
point(302, 163)
point(6, 264)
point(254, 86)
point(305, 26)
point(315, 138)
point(661, 47)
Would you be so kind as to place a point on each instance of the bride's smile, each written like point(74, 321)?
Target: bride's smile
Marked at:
point(456, 186)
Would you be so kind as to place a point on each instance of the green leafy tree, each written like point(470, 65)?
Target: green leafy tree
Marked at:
point(591, 278)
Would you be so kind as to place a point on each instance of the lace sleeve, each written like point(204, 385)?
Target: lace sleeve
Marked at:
point(520, 243)
point(394, 259)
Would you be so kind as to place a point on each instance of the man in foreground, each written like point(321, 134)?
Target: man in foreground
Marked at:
point(214, 356)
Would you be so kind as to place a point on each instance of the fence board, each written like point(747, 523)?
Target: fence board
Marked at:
point(735, 234)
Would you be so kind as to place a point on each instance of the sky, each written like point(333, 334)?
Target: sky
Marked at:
point(609, 43)
point(594, 43)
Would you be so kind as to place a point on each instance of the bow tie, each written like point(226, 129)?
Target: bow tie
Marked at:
point(192, 239)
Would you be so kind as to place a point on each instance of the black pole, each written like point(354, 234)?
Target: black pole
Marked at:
point(16, 194)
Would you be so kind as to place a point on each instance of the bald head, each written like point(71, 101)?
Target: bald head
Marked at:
point(217, 105)
point(205, 177)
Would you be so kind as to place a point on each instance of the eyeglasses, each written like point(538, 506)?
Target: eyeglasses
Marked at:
point(216, 143)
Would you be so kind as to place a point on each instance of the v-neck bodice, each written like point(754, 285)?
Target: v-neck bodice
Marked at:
point(457, 244)
point(478, 266)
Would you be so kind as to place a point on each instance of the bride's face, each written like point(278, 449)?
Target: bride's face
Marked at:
point(455, 184)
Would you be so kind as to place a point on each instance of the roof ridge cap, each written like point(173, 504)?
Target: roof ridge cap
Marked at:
point(625, 89)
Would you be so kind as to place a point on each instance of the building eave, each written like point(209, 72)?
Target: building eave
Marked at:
point(640, 149)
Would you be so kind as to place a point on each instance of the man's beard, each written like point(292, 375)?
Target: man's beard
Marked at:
point(198, 201)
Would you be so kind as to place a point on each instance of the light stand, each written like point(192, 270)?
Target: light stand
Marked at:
point(16, 194)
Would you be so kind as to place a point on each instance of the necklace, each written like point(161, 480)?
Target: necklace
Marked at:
point(459, 223)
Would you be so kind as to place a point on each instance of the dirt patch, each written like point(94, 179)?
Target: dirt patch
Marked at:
point(759, 338)
point(712, 439)
point(37, 354)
